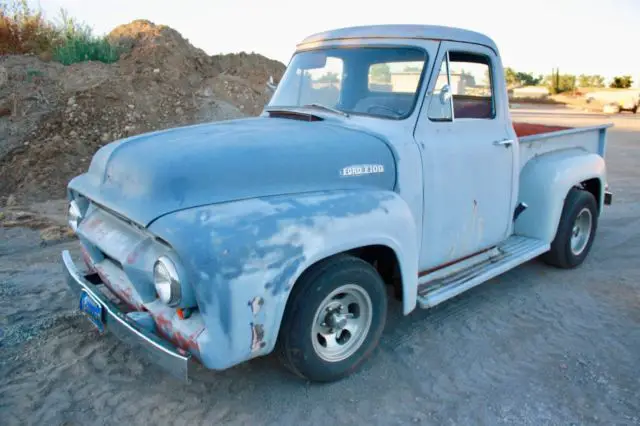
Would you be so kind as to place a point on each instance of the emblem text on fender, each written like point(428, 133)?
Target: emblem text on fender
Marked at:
point(362, 169)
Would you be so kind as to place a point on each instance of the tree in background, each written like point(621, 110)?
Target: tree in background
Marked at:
point(519, 78)
point(528, 79)
point(510, 77)
point(621, 82)
point(590, 80)
point(559, 83)
point(380, 73)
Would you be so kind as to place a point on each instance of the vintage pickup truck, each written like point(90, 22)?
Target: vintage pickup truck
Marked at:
point(385, 165)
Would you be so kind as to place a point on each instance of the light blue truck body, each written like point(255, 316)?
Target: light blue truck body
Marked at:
point(246, 206)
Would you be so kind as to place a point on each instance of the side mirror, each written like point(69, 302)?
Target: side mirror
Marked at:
point(270, 84)
point(445, 94)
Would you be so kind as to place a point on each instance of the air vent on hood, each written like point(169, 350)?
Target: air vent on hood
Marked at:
point(294, 115)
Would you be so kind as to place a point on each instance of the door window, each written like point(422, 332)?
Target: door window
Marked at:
point(463, 89)
point(471, 86)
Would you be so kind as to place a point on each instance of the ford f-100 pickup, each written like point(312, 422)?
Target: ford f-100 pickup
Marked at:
point(385, 165)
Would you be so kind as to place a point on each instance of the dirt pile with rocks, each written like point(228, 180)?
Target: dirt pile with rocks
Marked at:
point(54, 117)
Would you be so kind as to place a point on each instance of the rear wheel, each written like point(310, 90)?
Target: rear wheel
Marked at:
point(334, 319)
point(576, 230)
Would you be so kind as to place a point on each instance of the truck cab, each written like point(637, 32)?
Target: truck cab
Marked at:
point(443, 108)
point(386, 157)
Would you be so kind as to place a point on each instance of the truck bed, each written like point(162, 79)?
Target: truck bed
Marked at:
point(539, 139)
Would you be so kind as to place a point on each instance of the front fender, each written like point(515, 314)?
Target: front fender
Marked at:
point(545, 182)
point(244, 257)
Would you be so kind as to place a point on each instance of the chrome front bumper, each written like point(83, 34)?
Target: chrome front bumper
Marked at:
point(150, 345)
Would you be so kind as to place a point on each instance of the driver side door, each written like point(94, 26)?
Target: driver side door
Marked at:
point(467, 160)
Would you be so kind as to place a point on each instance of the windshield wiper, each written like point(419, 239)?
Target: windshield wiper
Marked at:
point(328, 108)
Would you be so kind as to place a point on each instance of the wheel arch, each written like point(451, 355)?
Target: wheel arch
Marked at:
point(545, 182)
point(383, 253)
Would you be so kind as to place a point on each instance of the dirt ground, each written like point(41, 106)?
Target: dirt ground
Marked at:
point(535, 346)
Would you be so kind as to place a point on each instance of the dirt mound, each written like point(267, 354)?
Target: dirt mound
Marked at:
point(252, 67)
point(53, 118)
point(160, 47)
point(29, 89)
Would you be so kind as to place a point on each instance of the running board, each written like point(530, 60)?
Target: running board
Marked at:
point(514, 251)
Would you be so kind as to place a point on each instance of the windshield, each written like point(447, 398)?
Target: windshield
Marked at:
point(376, 81)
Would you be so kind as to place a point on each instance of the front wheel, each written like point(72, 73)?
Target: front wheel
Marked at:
point(334, 319)
point(576, 230)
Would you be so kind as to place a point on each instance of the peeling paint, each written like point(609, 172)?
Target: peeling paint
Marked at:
point(256, 304)
point(257, 337)
point(269, 242)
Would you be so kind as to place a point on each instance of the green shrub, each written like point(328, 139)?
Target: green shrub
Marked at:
point(25, 30)
point(79, 49)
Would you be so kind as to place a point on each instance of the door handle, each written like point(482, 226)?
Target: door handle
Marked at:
point(504, 142)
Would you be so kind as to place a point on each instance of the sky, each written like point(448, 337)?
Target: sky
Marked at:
point(578, 36)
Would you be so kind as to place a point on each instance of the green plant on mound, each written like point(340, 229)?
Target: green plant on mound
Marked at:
point(78, 44)
point(24, 30)
point(79, 49)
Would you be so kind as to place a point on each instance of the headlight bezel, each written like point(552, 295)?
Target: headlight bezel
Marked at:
point(74, 215)
point(167, 281)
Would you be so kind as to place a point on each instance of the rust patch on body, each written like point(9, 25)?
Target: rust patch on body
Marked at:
point(257, 337)
point(165, 329)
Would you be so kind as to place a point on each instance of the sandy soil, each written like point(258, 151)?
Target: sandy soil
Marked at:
point(535, 346)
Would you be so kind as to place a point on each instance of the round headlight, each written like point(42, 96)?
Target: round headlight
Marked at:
point(74, 215)
point(167, 281)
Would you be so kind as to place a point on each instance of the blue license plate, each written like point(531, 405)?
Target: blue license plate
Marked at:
point(92, 309)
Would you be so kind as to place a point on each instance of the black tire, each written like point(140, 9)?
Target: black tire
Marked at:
point(295, 346)
point(561, 254)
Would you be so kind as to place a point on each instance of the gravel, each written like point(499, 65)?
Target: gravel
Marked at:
point(535, 346)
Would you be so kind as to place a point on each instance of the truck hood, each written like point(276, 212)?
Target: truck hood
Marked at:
point(150, 175)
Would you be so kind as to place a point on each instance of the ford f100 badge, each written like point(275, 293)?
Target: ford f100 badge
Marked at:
point(362, 169)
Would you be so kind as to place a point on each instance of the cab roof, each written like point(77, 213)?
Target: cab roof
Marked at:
point(430, 32)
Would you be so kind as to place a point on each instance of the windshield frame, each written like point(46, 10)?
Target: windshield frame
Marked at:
point(416, 95)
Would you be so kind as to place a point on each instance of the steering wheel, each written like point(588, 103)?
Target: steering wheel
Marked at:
point(394, 111)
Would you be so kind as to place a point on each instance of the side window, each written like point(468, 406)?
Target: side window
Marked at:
point(440, 108)
point(471, 88)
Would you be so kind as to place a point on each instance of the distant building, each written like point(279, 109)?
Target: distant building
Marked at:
point(407, 82)
point(540, 92)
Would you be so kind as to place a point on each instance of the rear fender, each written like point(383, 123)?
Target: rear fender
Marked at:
point(244, 258)
point(545, 182)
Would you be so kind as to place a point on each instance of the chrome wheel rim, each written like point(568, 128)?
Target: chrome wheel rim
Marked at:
point(581, 231)
point(341, 323)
